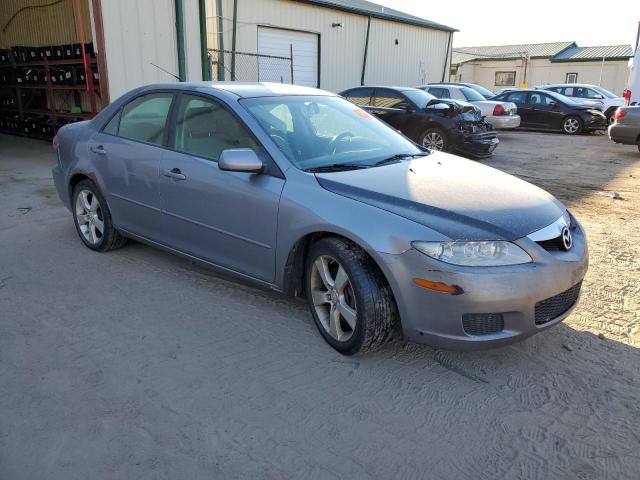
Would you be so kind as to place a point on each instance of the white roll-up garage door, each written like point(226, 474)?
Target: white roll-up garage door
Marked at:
point(278, 42)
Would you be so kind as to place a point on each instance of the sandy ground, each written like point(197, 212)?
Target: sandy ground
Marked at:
point(138, 364)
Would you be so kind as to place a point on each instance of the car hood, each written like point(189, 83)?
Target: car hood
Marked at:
point(459, 198)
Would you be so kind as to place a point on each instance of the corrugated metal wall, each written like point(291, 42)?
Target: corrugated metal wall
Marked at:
point(141, 32)
point(137, 34)
point(52, 25)
point(419, 56)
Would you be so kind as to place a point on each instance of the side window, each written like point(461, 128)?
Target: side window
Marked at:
point(144, 118)
point(360, 96)
point(439, 92)
point(568, 91)
point(205, 128)
point(111, 128)
point(547, 100)
point(386, 98)
point(591, 93)
point(516, 97)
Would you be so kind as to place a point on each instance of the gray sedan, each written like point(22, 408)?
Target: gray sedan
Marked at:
point(626, 126)
point(303, 192)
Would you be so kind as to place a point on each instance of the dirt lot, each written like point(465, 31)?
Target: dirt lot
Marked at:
point(137, 364)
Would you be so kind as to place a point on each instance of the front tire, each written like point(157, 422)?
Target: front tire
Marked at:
point(572, 125)
point(93, 219)
point(351, 302)
point(434, 139)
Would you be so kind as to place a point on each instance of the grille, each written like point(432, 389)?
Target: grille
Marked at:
point(551, 245)
point(482, 323)
point(553, 307)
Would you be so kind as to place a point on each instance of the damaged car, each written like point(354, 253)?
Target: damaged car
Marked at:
point(437, 124)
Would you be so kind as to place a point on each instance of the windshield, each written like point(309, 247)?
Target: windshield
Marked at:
point(317, 131)
point(419, 97)
point(605, 93)
point(471, 95)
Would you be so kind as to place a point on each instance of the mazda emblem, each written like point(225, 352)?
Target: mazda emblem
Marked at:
point(567, 240)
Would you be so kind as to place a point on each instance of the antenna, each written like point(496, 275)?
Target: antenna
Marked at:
point(166, 71)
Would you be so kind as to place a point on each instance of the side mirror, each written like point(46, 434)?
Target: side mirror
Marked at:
point(408, 108)
point(553, 103)
point(240, 160)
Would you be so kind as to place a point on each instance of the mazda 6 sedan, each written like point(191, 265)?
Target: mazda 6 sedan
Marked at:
point(306, 193)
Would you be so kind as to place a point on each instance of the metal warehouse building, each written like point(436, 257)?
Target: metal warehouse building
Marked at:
point(534, 64)
point(63, 60)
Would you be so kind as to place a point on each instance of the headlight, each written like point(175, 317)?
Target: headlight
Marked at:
point(474, 254)
point(595, 112)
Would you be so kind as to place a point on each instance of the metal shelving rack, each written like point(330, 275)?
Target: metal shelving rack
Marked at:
point(54, 115)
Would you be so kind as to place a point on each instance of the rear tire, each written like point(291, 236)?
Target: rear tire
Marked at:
point(572, 125)
point(92, 218)
point(350, 300)
point(434, 139)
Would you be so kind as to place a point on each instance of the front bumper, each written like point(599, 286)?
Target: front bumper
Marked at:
point(504, 121)
point(477, 145)
point(626, 134)
point(594, 122)
point(435, 318)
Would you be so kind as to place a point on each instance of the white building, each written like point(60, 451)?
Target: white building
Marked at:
point(497, 67)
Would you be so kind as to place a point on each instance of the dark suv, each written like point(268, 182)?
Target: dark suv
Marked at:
point(437, 124)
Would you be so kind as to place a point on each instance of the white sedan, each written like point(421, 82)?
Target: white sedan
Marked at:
point(502, 115)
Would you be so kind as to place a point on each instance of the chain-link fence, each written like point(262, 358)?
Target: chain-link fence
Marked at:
point(250, 67)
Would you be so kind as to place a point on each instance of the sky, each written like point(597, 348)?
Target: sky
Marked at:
point(502, 22)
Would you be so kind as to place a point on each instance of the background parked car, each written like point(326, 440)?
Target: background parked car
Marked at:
point(485, 92)
point(501, 115)
point(626, 126)
point(606, 101)
point(551, 111)
point(445, 125)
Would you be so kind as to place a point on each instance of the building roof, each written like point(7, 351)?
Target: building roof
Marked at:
point(362, 7)
point(507, 52)
point(586, 54)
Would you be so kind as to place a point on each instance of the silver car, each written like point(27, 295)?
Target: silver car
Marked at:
point(626, 126)
point(302, 191)
point(501, 115)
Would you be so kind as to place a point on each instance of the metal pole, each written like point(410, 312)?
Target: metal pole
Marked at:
point(233, 39)
point(180, 39)
point(601, 68)
point(204, 57)
point(220, 54)
point(366, 50)
point(291, 56)
point(88, 72)
point(447, 56)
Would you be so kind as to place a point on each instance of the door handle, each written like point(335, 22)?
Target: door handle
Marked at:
point(174, 173)
point(99, 149)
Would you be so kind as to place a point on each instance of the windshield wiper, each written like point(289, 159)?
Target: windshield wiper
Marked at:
point(398, 157)
point(336, 167)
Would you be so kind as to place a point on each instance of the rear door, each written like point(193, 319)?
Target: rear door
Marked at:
point(226, 218)
point(127, 155)
point(545, 111)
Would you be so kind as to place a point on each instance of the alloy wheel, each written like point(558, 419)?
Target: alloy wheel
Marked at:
point(89, 217)
point(571, 125)
point(333, 298)
point(433, 141)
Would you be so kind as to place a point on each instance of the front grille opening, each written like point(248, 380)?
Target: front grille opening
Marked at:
point(553, 307)
point(552, 245)
point(482, 323)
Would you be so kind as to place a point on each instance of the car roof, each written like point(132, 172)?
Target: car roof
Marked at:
point(453, 85)
point(568, 85)
point(243, 89)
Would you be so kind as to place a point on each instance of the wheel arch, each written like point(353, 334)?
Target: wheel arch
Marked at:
point(293, 275)
point(77, 177)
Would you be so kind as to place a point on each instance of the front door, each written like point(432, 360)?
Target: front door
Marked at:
point(545, 111)
point(127, 156)
point(398, 111)
point(226, 218)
